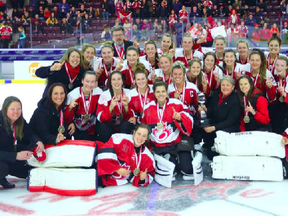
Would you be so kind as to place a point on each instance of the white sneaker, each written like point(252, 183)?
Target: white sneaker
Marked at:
point(188, 177)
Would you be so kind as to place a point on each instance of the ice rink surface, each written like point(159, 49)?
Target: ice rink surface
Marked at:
point(211, 197)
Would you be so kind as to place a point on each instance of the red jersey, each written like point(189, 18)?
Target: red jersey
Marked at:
point(119, 152)
point(166, 131)
point(138, 101)
point(184, 15)
point(6, 32)
point(188, 96)
point(103, 112)
point(86, 106)
point(180, 56)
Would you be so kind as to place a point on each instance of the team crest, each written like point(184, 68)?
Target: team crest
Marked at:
point(162, 133)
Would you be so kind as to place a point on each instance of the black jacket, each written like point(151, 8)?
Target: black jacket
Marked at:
point(7, 151)
point(58, 77)
point(226, 116)
point(45, 122)
point(126, 45)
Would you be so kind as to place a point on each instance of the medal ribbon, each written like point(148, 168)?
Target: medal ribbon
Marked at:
point(61, 118)
point(145, 98)
point(68, 74)
point(164, 78)
point(211, 76)
point(256, 79)
point(136, 159)
point(105, 68)
point(244, 62)
point(191, 56)
point(14, 136)
point(120, 54)
point(160, 117)
point(86, 106)
point(119, 104)
point(233, 71)
point(245, 104)
point(271, 67)
point(182, 98)
point(131, 74)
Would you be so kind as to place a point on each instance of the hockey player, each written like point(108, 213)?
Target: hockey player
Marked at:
point(255, 115)
point(111, 105)
point(81, 107)
point(168, 121)
point(124, 158)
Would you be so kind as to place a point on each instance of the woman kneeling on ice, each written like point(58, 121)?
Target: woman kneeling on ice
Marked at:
point(124, 158)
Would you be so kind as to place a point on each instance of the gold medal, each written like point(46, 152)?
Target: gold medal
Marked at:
point(136, 172)
point(61, 129)
point(246, 119)
point(281, 99)
point(86, 117)
point(70, 86)
point(159, 126)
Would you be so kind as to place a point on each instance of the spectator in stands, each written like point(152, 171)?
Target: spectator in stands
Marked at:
point(250, 20)
point(64, 7)
point(2, 7)
point(285, 28)
point(144, 12)
point(41, 13)
point(21, 37)
point(127, 27)
point(204, 13)
point(37, 27)
point(118, 7)
point(258, 16)
point(222, 11)
point(69, 20)
point(243, 30)
point(138, 23)
point(91, 13)
point(43, 3)
point(98, 13)
point(73, 13)
point(128, 5)
point(283, 7)
point(105, 9)
point(106, 33)
point(82, 10)
point(145, 25)
point(194, 15)
point(162, 11)
point(86, 23)
point(52, 20)
point(233, 18)
point(255, 35)
point(172, 21)
point(261, 5)
point(265, 32)
point(65, 27)
point(16, 14)
point(6, 35)
point(180, 28)
point(136, 7)
point(136, 33)
point(154, 8)
point(215, 12)
point(177, 6)
point(56, 12)
point(183, 13)
point(46, 14)
point(26, 19)
point(274, 29)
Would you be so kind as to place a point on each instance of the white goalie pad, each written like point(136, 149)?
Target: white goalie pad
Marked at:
point(247, 168)
point(163, 171)
point(197, 165)
point(249, 144)
point(68, 153)
point(68, 182)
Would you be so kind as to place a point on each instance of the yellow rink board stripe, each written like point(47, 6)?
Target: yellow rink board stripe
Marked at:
point(21, 81)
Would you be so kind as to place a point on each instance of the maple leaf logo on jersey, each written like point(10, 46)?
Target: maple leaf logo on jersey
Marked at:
point(162, 133)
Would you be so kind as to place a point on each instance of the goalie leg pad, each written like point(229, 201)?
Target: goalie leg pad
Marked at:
point(68, 182)
point(68, 153)
point(247, 168)
point(249, 144)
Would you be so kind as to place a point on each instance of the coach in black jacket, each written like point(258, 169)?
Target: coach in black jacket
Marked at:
point(119, 44)
point(224, 111)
